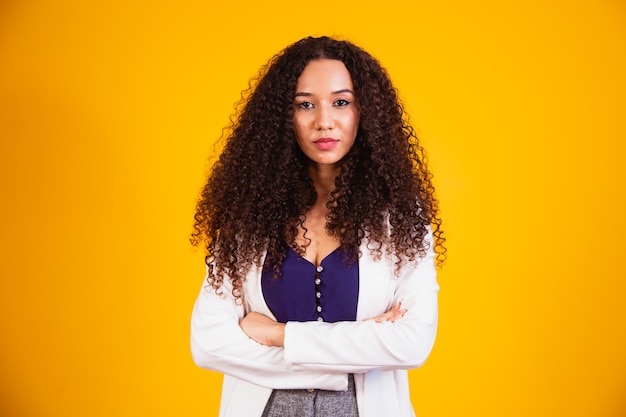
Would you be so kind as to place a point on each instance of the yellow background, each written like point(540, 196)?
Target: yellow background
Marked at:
point(109, 110)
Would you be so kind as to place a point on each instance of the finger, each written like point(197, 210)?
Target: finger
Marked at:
point(393, 314)
point(396, 315)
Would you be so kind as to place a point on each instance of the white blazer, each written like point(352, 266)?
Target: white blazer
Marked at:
point(321, 355)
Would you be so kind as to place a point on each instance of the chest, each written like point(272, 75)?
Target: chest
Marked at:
point(377, 287)
point(326, 292)
point(314, 238)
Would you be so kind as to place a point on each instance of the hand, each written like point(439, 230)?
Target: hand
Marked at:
point(391, 315)
point(263, 329)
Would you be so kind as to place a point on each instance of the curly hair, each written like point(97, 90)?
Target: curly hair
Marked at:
point(259, 189)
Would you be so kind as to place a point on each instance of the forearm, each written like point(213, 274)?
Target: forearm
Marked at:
point(263, 329)
point(358, 346)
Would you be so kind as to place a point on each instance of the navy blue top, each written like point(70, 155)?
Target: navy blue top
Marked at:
point(304, 292)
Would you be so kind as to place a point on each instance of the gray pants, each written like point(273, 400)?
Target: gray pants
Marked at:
point(316, 403)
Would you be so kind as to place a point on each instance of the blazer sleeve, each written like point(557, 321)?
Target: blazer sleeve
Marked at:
point(360, 346)
point(219, 344)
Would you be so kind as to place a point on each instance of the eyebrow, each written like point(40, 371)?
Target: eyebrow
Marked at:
point(345, 90)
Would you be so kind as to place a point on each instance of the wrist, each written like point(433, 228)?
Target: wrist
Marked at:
point(279, 335)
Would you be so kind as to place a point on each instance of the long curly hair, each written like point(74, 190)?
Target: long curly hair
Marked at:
point(259, 189)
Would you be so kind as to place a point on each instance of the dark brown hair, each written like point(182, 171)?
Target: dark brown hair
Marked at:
point(259, 189)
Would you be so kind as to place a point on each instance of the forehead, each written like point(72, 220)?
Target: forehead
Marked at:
point(325, 75)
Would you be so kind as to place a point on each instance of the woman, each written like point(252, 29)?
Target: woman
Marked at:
point(321, 230)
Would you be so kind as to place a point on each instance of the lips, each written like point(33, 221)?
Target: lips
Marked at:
point(325, 143)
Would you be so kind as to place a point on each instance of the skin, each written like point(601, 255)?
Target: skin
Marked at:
point(326, 121)
point(325, 109)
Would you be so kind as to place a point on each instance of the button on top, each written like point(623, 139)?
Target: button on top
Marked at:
point(320, 268)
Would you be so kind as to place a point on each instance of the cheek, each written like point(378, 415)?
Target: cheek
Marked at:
point(296, 128)
point(300, 134)
point(298, 138)
point(299, 125)
point(353, 122)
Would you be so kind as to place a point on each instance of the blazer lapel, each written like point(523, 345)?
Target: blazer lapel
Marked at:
point(375, 285)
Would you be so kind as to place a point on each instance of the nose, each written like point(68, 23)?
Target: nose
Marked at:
point(325, 119)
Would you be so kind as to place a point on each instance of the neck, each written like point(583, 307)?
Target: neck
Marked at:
point(323, 177)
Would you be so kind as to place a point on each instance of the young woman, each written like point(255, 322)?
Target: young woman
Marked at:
point(322, 234)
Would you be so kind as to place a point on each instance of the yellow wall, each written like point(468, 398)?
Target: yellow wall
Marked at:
point(108, 112)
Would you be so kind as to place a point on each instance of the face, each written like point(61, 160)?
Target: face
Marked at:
point(326, 114)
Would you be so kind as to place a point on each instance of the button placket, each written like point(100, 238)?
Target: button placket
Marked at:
point(318, 293)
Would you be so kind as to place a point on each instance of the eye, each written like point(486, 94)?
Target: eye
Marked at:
point(341, 102)
point(304, 105)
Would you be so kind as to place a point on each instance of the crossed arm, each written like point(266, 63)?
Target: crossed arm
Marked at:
point(269, 332)
point(255, 348)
